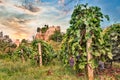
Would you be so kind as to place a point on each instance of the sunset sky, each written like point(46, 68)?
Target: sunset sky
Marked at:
point(19, 22)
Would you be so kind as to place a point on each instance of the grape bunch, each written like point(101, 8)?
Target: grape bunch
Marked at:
point(71, 61)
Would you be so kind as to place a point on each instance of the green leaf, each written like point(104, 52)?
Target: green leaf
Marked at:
point(103, 51)
point(87, 36)
point(82, 65)
point(119, 45)
point(107, 17)
point(110, 55)
point(96, 54)
point(101, 41)
point(94, 63)
point(84, 54)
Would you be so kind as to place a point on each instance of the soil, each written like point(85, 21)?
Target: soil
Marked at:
point(105, 73)
point(110, 72)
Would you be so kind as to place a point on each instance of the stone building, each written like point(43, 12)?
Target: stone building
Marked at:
point(50, 31)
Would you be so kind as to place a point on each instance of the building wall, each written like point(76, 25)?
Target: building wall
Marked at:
point(45, 36)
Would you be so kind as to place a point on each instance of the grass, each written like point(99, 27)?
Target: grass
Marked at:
point(16, 70)
point(10, 70)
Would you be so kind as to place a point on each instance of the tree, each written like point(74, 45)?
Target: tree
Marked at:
point(6, 45)
point(84, 40)
point(44, 29)
point(10, 49)
point(24, 41)
point(38, 29)
point(57, 36)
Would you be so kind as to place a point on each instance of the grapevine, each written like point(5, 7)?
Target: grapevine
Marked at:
point(85, 24)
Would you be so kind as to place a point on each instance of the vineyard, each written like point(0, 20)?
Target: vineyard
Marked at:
point(85, 52)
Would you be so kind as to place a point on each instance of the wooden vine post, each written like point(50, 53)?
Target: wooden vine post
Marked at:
point(22, 57)
point(89, 57)
point(38, 36)
point(40, 54)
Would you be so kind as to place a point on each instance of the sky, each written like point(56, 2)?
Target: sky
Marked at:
point(18, 20)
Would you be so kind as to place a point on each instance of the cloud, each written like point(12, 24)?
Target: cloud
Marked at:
point(21, 23)
point(15, 29)
point(61, 2)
